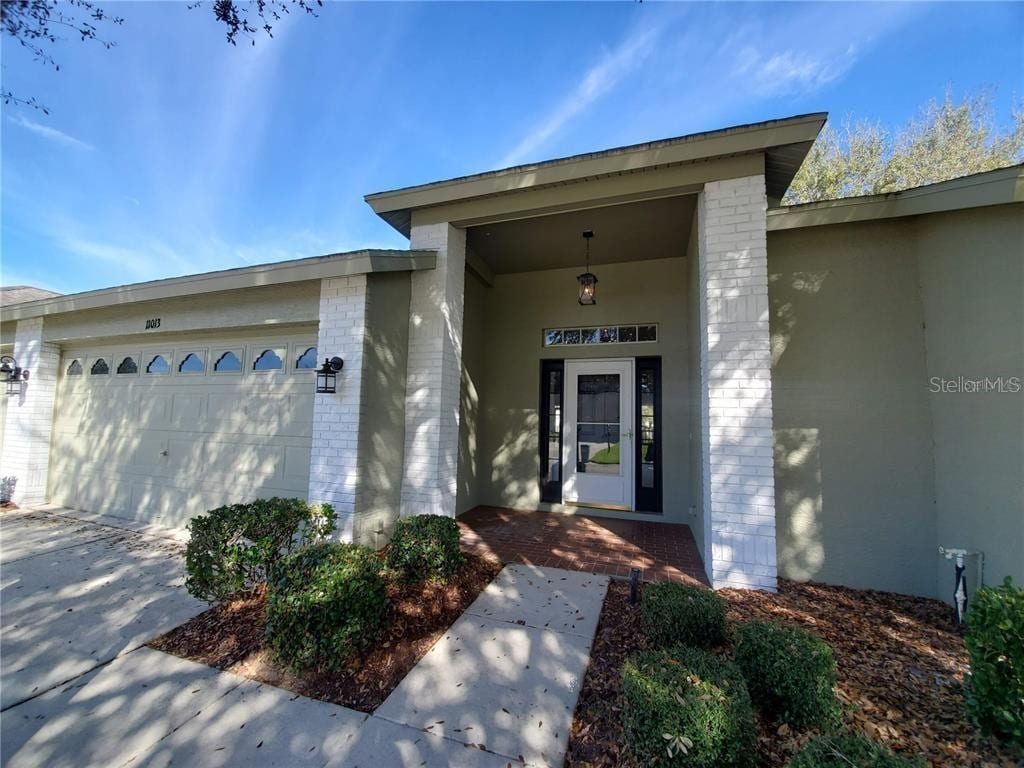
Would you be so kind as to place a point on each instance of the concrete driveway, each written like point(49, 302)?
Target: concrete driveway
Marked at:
point(75, 594)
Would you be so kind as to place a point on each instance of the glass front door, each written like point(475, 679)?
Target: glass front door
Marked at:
point(598, 443)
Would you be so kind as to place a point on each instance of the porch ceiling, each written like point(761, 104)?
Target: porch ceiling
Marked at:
point(651, 229)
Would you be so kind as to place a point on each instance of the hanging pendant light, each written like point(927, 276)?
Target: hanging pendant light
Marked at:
point(588, 280)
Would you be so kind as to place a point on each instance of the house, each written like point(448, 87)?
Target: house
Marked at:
point(804, 387)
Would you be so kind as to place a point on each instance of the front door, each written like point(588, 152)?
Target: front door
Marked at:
point(598, 441)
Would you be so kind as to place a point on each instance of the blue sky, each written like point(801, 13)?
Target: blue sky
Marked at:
point(176, 153)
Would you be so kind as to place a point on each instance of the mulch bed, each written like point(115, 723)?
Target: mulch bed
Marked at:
point(229, 636)
point(901, 662)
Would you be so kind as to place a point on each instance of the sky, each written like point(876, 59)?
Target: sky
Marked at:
point(175, 153)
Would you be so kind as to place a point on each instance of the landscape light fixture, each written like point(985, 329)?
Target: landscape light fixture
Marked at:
point(588, 280)
point(12, 373)
point(327, 376)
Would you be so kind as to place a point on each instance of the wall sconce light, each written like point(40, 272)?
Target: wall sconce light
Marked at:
point(12, 374)
point(327, 376)
point(588, 280)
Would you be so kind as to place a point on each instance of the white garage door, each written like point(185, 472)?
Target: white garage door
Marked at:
point(162, 433)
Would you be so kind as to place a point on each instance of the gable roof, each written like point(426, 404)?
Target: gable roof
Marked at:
point(19, 294)
point(784, 142)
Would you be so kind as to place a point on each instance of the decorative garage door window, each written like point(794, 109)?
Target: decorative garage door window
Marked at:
point(158, 365)
point(99, 368)
point(605, 334)
point(227, 363)
point(192, 363)
point(75, 369)
point(268, 360)
point(128, 365)
point(307, 359)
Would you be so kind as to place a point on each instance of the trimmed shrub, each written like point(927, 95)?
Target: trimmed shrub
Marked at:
point(425, 547)
point(848, 750)
point(995, 641)
point(790, 672)
point(683, 613)
point(686, 707)
point(324, 603)
point(234, 547)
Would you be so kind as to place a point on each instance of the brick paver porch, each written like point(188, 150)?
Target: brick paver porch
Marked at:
point(662, 551)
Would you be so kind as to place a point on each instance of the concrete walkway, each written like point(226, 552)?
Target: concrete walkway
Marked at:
point(507, 674)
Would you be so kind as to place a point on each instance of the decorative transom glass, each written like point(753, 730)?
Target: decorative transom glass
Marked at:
point(607, 334)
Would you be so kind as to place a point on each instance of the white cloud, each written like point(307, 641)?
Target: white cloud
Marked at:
point(52, 134)
point(793, 71)
point(598, 81)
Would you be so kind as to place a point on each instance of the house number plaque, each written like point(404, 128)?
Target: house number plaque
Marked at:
point(153, 322)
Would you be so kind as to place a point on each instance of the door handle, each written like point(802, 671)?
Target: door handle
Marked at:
point(629, 434)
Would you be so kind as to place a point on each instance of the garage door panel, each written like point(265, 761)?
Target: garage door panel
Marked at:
point(166, 448)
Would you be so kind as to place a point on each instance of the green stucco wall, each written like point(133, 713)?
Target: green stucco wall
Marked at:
point(971, 267)
point(382, 430)
point(473, 367)
point(873, 471)
point(515, 311)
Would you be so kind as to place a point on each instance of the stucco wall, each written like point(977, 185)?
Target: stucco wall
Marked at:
point(694, 463)
point(853, 455)
point(971, 267)
point(518, 307)
point(473, 366)
point(382, 422)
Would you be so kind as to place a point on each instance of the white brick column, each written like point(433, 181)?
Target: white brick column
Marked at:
point(429, 479)
point(735, 362)
point(334, 457)
point(29, 423)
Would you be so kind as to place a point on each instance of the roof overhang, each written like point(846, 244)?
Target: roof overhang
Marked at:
point(998, 187)
point(314, 268)
point(783, 143)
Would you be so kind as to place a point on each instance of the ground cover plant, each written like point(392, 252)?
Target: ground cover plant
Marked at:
point(900, 669)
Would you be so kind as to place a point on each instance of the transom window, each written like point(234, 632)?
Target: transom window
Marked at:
point(99, 368)
point(307, 359)
point(75, 369)
point(227, 363)
point(192, 363)
point(267, 361)
point(158, 365)
point(128, 365)
point(605, 334)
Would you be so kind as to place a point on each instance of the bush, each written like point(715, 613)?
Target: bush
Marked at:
point(790, 672)
point(425, 547)
point(234, 547)
point(686, 707)
point(995, 641)
point(847, 750)
point(324, 603)
point(683, 613)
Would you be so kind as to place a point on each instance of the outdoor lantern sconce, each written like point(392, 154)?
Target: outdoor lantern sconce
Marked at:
point(327, 376)
point(588, 280)
point(12, 374)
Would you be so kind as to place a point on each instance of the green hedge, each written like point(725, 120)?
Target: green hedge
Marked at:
point(425, 547)
point(234, 547)
point(683, 614)
point(324, 603)
point(847, 750)
point(686, 707)
point(790, 672)
point(995, 641)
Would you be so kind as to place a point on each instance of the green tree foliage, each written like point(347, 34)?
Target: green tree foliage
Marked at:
point(947, 140)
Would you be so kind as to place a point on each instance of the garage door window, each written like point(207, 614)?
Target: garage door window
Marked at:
point(99, 368)
point(192, 363)
point(128, 366)
point(158, 365)
point(75, 369)
point(227, 363)
point(307, 359)
point(268, 360)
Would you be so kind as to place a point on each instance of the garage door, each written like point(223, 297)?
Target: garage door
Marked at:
point(162, 433)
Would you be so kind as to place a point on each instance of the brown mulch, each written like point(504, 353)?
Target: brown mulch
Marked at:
point(900, 659)
point(230, 636)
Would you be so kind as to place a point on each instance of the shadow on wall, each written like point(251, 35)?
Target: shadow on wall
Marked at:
point(515, 465)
